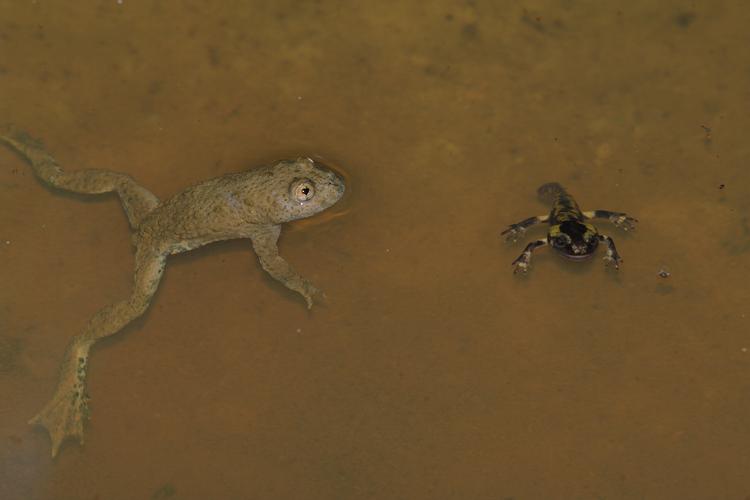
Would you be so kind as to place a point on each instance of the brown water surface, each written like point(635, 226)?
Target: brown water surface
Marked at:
point(432, 372)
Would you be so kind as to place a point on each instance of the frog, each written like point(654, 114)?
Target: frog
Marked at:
point(569, 232)
point(251, 204)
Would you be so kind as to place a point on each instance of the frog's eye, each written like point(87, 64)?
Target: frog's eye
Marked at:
point(303, 190)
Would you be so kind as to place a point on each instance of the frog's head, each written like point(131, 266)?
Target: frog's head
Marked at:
point(305, 187)
point(573, 239)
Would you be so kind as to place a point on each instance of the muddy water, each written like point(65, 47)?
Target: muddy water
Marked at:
point(431, 372)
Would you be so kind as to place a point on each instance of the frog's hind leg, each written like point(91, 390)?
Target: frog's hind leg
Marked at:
point(65, 413)
point(136, 200)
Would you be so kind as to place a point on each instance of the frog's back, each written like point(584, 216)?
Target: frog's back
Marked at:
point(217, 209)
point(235, 205)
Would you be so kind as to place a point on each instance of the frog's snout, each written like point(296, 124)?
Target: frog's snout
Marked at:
point(335, 177)
point(338, 182)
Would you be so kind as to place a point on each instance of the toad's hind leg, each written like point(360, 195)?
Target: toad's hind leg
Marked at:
point(136, 200)
point(63, 416)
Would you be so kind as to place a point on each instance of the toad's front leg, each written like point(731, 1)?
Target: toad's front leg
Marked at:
point(612, 256)
point(517, 230)
point(264, 240)
point(65, 413)
point(523, 261)
point(619, 219)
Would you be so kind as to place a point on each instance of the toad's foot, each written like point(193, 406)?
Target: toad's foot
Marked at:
point(523, 261)
point(623, 221)
point(522, 266)
point(514, 233)
point(64, 415)
point(612, 260)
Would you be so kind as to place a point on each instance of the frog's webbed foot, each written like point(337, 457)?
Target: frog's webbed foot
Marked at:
point(64, 415)
point(516, 231)
point(523, 261)
point(611, 257)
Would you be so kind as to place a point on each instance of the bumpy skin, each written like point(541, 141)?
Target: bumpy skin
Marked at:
point(251, 204)
point(569, 233)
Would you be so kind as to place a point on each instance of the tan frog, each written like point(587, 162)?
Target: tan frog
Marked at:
point(251, 204)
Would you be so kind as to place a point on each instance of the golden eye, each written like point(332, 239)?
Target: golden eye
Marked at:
point(303, 190)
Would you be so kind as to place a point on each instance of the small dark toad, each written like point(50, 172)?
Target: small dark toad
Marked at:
point(250, 204)
point(569, 232)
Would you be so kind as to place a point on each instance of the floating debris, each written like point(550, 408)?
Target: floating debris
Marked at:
point(664, 273)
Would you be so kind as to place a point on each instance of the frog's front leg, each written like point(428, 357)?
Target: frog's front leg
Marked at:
point(619, 219)
point(612, 256)
point(264, 240)
point(65, 413)
point(523, 261)
point(517, 230)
